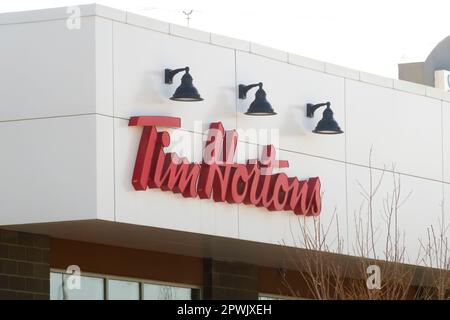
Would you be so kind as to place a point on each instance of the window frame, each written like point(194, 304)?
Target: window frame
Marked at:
point(140, 281)
point(279, 297)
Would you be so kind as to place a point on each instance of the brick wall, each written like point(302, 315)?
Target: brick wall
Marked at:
point(229, 280)
point(24, 266)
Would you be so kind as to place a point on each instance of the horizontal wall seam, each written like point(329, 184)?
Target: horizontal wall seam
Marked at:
point(236, 49)
point(28, 261)
point(19, 276)
point(6, 244)
point(22, 291)
point(251, 143)
point(58, 116)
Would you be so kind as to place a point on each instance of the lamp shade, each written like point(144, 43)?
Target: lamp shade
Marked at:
point(186, 91)
point(260, 106)
point(327, 125)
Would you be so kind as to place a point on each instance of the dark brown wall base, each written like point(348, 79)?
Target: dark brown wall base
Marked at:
point(126, 262)
point(24, 266)
point(218, 279)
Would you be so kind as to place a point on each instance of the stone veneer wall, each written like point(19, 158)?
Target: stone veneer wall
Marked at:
point(24, 266)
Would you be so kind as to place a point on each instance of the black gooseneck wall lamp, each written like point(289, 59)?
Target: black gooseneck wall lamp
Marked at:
point(260, 106)
point(186, 91)
point(327, 125)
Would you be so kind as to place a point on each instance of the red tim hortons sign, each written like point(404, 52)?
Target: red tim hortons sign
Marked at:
point(218, 176)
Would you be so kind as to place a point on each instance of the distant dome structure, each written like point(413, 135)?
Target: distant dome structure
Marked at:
point(423, 72)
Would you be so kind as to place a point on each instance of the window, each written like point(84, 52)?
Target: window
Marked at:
point(96, 287)
point(269, 296)
point(90, 288)
point(123, 290)
point(158, 292)
point(56, 292)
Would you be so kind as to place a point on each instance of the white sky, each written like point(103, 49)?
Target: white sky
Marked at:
point(369, 35)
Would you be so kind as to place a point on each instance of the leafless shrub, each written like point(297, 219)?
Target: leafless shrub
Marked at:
point(324, 280)
point(329, 275)
point(435, 254)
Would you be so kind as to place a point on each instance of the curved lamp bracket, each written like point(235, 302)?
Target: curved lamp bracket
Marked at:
point(243, 89)
point(311, 108)
point(169, 74)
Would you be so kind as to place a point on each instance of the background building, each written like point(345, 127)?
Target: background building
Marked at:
point(423, 71)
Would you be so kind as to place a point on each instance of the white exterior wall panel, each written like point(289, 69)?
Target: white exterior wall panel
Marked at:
point(48, 170)
point(61, 167)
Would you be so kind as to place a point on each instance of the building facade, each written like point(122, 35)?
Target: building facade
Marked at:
point(81, 90)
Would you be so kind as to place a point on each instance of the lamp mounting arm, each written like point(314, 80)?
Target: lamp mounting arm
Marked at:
point(311, 108)
point(169, 74)
point(243, 89)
